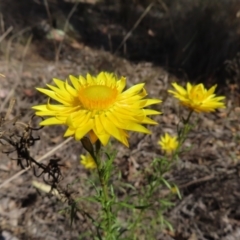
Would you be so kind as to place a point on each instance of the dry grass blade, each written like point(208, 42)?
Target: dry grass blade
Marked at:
point(18, 73)
point(11, 92)
point(13, 37)
point(6, 33)
point(64, 30)
point(10, 108)
point(135, 26)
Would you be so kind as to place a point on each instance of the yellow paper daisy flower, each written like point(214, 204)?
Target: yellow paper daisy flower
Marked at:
point(97, 106)
point(168, 143)
point(197, 97)
point(88, 162)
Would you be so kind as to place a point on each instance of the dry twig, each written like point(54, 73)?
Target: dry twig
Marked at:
point(38, 160)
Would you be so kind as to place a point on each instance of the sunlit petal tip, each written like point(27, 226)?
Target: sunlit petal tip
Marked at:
point(82, 80)
point(152, 101)
point(90, 79)
point(139, 86)
point(189, 85)
point(174, 84)
point(58, 82)
point(151, 112)
point(69, 132)
point(150, 121)
point(179, 89)
point(123, 79)
point(121, 84)
point(212, 89)
point(104, 138)
point(50, 121)
point(40, 89)
point(38, 107)
point(72, 77)
point(126, 143)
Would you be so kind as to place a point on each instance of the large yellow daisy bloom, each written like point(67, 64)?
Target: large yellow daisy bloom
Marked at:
point(97, 106)
point(197, 97)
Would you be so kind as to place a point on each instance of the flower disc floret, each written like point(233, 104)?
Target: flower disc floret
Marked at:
point(197, 98)
point(97, 97)
point(97, 106)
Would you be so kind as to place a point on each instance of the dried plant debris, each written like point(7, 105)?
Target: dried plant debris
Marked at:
point(17, 138)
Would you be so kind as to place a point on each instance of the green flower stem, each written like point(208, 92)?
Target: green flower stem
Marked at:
point(182, 135)
point(188, 118)
point(106, 207)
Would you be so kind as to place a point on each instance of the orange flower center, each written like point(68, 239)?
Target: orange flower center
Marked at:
point(97, 97)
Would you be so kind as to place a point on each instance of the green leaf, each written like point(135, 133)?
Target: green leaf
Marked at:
point(126, 205)
point(143, 206)
point(167, 184)
point(166, 203)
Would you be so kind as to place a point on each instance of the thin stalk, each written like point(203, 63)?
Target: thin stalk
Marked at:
point(105, 192)
point(183, 134)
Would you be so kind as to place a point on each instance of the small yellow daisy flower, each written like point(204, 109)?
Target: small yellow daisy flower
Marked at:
point(175, 190)
point(197, 97)
point(88, 162)
point(168, 143)
point(98, 106)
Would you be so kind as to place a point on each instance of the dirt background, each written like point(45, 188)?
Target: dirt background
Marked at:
point(177, 40)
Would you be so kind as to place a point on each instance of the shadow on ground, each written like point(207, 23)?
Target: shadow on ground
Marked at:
point(192, 39)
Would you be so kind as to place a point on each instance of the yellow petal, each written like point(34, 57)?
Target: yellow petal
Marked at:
point(70, 131)
point(81, 132)
point(121, 84)
point(51, 121)
point(75, 82)
point(110, 128)
point(180, 89)
point(59, 83)
point(152, 101)
point(136, 127)
point(151, 112)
